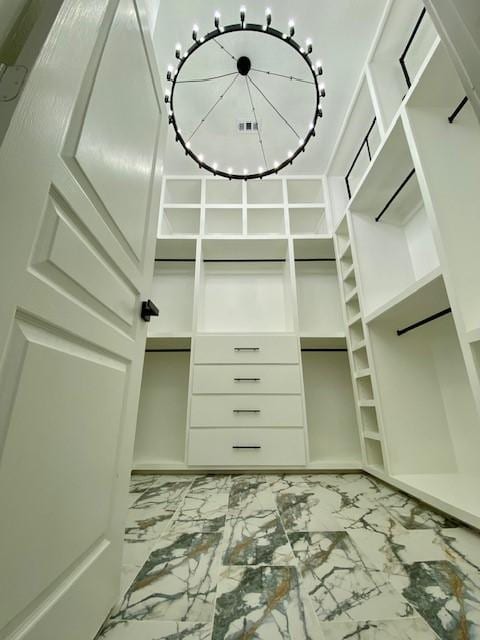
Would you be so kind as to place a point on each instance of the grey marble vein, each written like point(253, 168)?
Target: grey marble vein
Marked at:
point(267, 603)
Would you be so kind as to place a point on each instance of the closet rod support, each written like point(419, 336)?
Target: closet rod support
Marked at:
point(395, 195)
point(408, 45)
point(435, 316)
point(451, 118)
point(357, 155)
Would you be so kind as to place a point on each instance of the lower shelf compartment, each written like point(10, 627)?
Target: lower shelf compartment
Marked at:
point(247, 447)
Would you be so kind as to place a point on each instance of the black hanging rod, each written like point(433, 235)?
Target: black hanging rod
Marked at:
point(325, 349)
point(167, 350)
point(400, 332)
point(174, 259)
point(408, 45)
point(247, 260)
point(458, 109)
point(314, 259)
point(364, 142)
point(395, 195)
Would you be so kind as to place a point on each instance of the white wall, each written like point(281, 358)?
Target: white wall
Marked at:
point(9, 11)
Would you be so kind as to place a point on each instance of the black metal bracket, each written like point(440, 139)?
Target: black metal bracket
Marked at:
point(451, 118)
point(440, 314)
point(395, 195)
point(352, 166)
point(149, 309)
point(408, 45)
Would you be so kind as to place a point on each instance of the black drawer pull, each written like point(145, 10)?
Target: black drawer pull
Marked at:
point(246, 446)
point(246, 379)
point(246, 348)
point(246, 410)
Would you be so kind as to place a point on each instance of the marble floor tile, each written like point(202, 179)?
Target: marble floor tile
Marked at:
point(406, 629)
point(256, 538)
point(264, 603)
point(342, 583)
point(211, 483)
point(151, 513)
point(178, 582)
point(303, 508)
point(444, 597)
point(412, 514)
point(203, 511)
point(250, 493)
point(158, 630)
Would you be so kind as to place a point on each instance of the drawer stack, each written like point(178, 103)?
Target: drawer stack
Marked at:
point(247, 402)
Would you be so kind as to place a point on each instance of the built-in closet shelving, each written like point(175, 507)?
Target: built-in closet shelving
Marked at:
point(246, 259)
point(403, 181)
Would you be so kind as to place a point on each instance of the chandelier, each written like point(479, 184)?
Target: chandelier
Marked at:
point(242, 68)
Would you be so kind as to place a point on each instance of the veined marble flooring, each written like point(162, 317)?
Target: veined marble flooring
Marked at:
point(269, 557)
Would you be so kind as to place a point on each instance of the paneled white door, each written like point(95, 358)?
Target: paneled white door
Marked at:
point(79, 192)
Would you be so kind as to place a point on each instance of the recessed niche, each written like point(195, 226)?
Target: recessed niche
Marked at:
point(180, 221)
point(308, 221)
point(182, 191)
point(265, 221)
point(264, 192)
point(223, 192)
point(302, 191)
point(223, 221)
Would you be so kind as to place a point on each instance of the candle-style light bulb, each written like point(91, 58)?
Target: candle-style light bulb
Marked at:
point(167, 96)
point(309, 45)
point(322, 90)
point(195, 32)
point(243, 12)
point(268, 16)
point(216, 19)
point(169, 72)
point(319, 67)
point(320, 112)
point(178, 51)
point(291, 28)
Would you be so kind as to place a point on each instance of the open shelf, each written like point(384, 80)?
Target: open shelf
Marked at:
point(182, 191)
point(308, 342)
point(357, 144)
point(162, 416)
point(374, 455)
point(369, 421)
point(267, 191)
point(429, 415)
point(219, 191)
point(395, 245)
point(172, 291)
point(223, 221)
point(265, 221)
point(230, 287)
point(388, 79)
point(305, 191)
point(451, 176)
point(332, 429)
point(180, 221)
point(308, 221)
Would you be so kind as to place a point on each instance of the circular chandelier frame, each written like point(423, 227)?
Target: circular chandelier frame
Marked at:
point(264, 29)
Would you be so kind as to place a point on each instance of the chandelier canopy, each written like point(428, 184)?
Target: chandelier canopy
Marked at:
point(243, 69)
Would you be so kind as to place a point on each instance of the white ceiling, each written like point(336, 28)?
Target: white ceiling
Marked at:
point(342, 32)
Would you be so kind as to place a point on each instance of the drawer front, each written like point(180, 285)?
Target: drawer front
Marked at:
point(246, 411)
point(246, 378)
point(246, 349)
point(247, 447)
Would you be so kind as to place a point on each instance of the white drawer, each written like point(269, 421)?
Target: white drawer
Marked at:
point(233, 447)
point(246, 411)
point(246, 349)
point(246, 378)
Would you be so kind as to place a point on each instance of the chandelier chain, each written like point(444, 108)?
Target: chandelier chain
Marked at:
point(226, 50)
point(223, 75)
point(222, 95)
point(256, 120)
point(281, 75)
point(275, 109)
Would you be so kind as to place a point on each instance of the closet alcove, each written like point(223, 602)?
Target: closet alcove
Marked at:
point(332, 322)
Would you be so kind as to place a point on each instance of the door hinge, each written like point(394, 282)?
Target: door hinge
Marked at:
point(11, 81)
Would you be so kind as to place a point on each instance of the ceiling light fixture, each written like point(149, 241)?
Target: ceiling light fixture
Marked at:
point(244, 68)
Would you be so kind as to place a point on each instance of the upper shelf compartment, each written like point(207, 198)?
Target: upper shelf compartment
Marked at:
point(395, 246)
point(223, 192)
point(404, 44)
point(181, 191)
point(357, 145)
point(305, 191)
point(265, 192)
